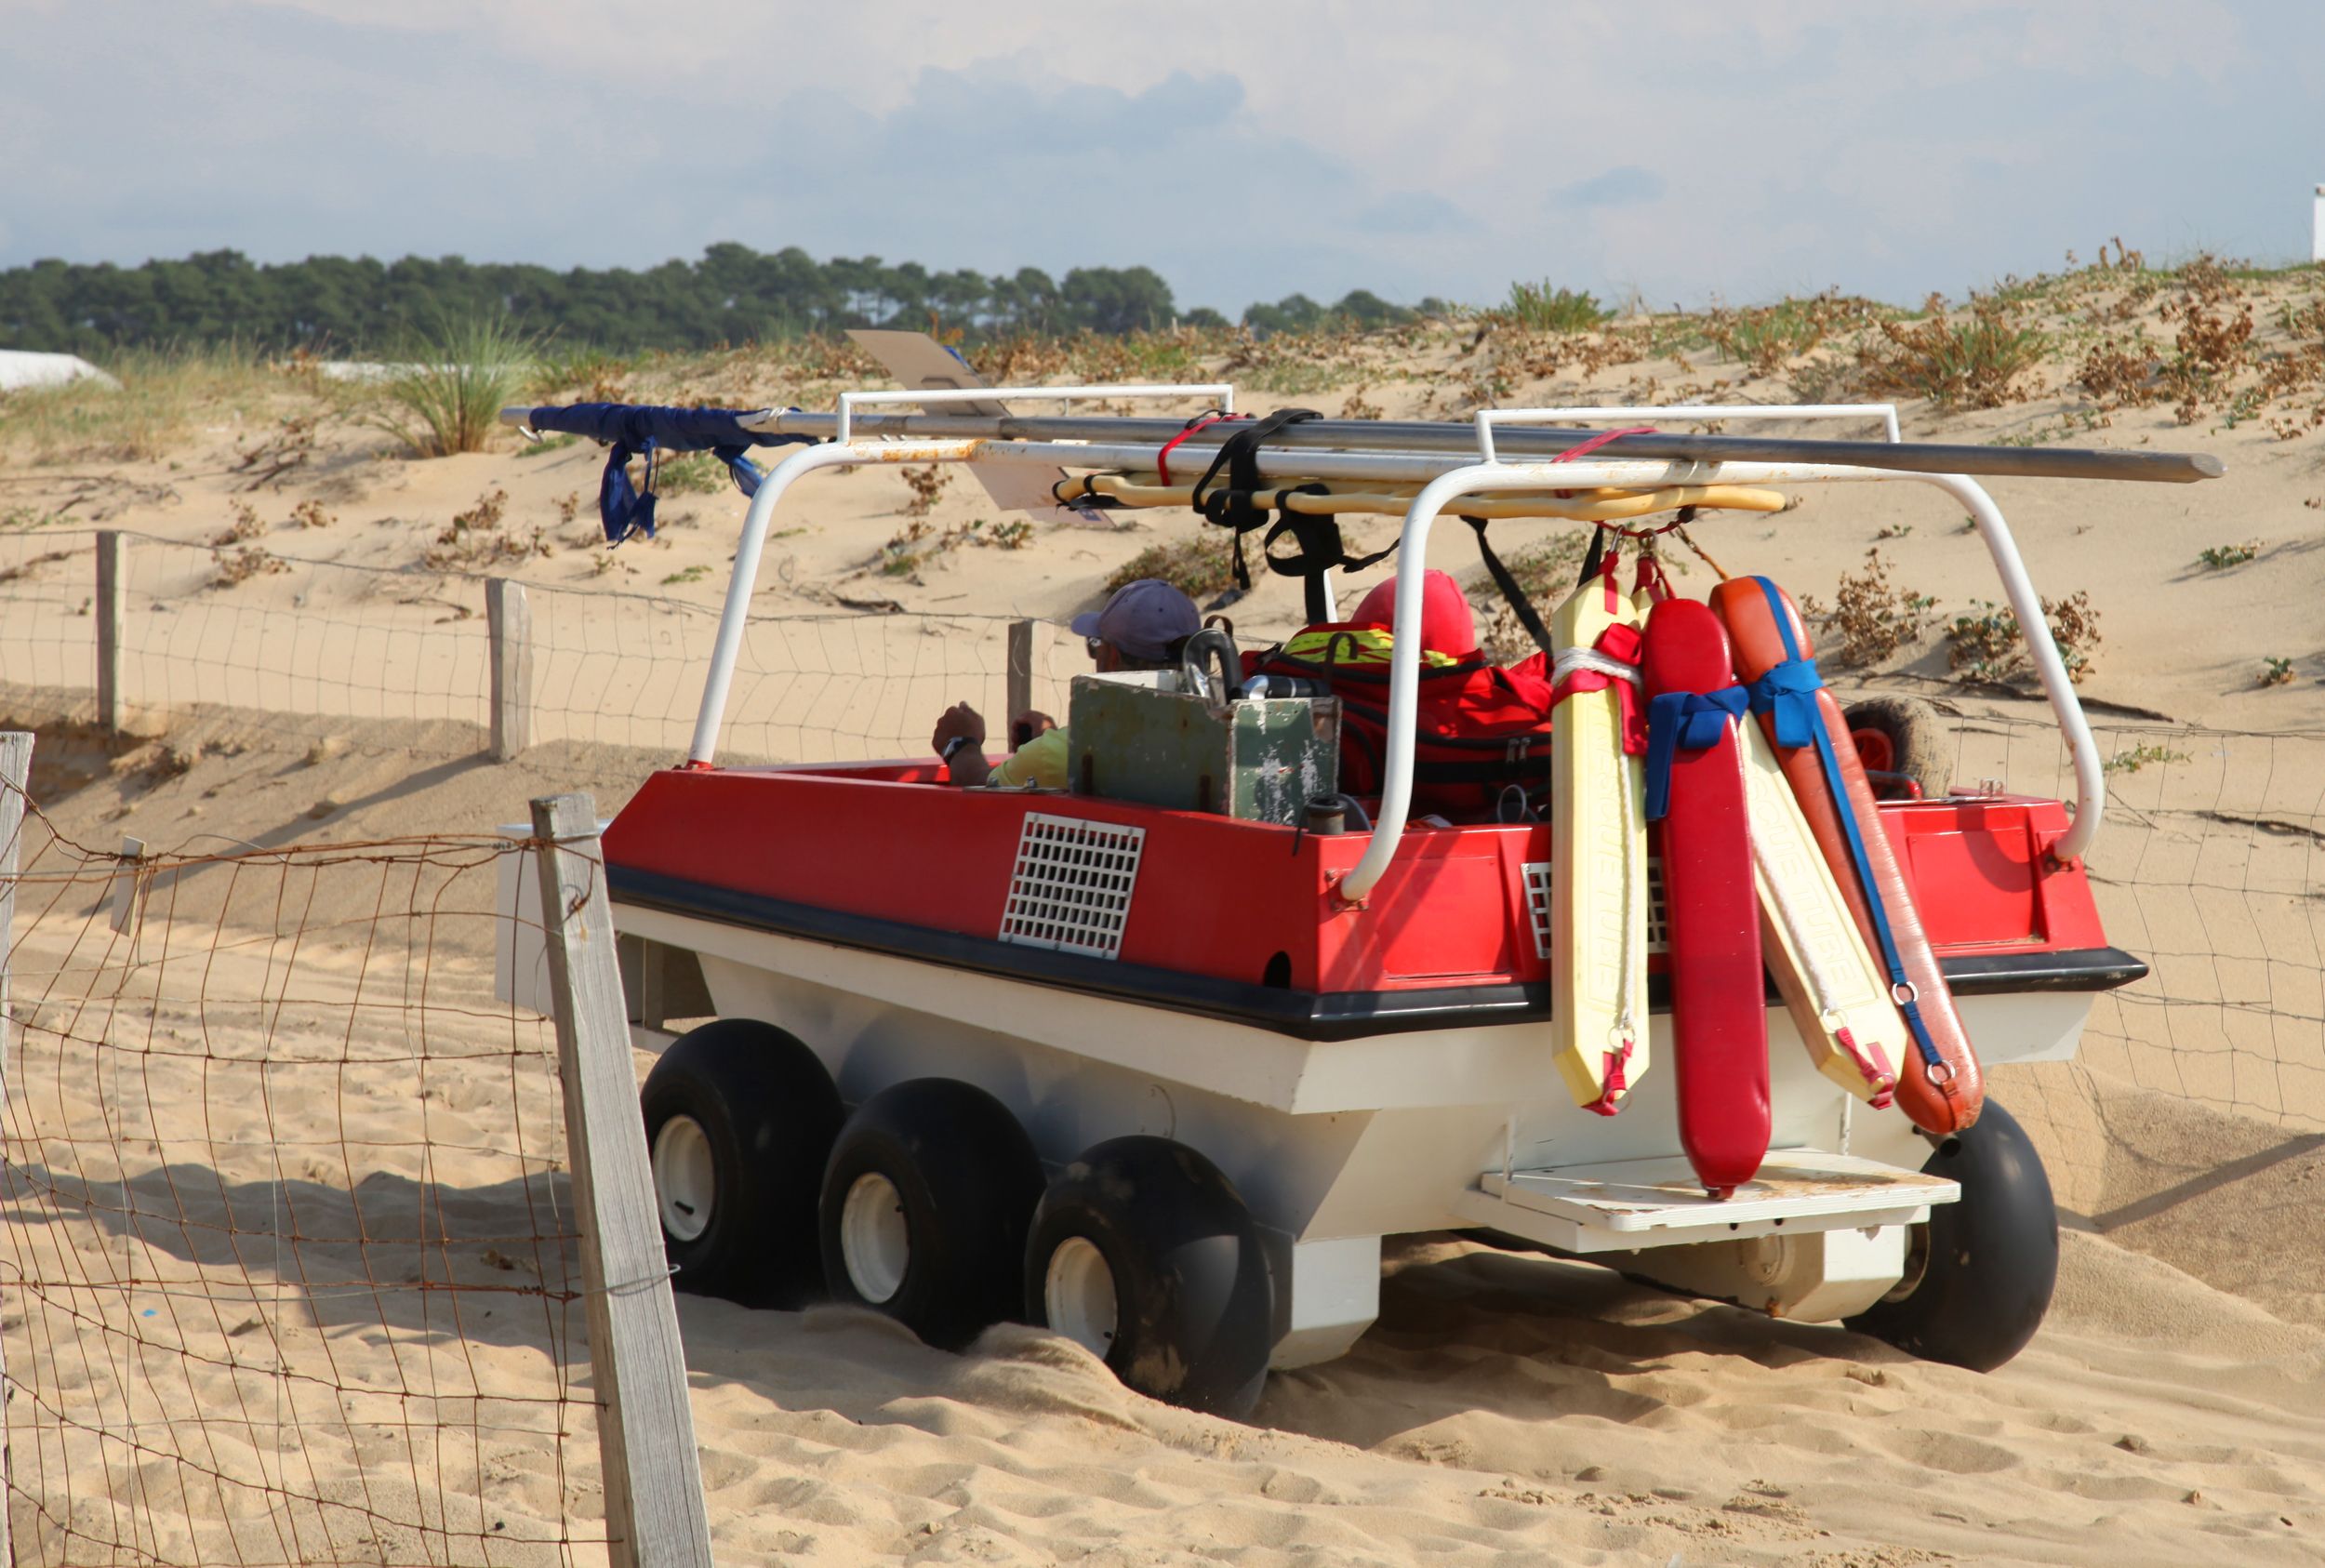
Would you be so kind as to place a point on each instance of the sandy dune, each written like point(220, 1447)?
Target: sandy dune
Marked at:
point(1507, 1409)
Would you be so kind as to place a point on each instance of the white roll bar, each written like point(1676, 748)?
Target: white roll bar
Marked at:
point(1440, 489)
point(735, 616)
point(1404, 656)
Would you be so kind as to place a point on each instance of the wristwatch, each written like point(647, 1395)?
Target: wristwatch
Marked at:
point(951, 747)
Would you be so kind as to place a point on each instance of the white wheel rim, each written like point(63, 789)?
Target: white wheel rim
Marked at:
point(1078, 1295)
point(874, 1241)
point(685, 1178)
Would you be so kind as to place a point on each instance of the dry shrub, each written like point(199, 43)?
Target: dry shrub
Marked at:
point(918, 542)
point(1200, 567)
point(474, 539)
point(692, 473)
point(926, 484)
point(245, 526)
point(288, 446)
point(309, 514)
point(1972, 364)
point(1988, 646)
point(1871, 617)
point(244, 564)
point(1767, 337)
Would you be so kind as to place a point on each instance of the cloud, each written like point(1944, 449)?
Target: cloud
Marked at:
point(1625, 185)
point(1413, 212)
point(1889, 151)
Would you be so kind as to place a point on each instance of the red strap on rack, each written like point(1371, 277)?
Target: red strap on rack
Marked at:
point(1163, 458)
point(1584, 449)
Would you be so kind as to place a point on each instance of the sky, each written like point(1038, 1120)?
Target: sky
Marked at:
point(1680, 151)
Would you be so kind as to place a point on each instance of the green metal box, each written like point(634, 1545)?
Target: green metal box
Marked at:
point(1259, 759)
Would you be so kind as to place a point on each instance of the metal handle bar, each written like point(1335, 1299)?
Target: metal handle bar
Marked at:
point(1489, 418)
point(849, 401)
point(1419, 438)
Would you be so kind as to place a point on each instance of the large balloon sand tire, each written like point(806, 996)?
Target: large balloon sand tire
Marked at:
point(925, 1205)
point(1143, 1251)
point(739, 1119)
point(1979, 1274)
point(1905, 737)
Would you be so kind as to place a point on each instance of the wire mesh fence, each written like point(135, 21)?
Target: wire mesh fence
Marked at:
point(286, 1237)
point(628, 671)
point(47, 635)
point(2211, 867)
point(303, 643)
point(308, 648)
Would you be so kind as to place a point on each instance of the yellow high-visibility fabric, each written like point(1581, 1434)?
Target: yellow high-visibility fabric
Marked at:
point(1353, 644)
point(1040, 761)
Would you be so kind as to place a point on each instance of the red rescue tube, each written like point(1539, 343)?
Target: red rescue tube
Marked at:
point(1719, 1000)
point(1941, 1098)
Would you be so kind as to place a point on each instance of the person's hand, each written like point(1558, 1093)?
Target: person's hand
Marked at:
point(958, 721)
point(1026, 725)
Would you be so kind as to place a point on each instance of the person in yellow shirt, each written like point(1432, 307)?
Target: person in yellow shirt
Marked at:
point(1144, 626)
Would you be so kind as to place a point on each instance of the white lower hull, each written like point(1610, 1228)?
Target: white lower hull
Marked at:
point(1335, 1144)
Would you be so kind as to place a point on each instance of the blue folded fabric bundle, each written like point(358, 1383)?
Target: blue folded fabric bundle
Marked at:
point(631, 429)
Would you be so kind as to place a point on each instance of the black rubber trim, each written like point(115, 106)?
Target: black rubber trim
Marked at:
point(2070, 969)
point(1305, 1014)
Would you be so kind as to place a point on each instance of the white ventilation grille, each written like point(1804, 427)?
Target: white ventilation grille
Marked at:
point(1538, 907)
point(1072, 887)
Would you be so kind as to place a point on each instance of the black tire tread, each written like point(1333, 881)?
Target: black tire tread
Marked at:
point(770, 1110)
point(1992, 1258)
point(1919, 733)
point(969, 1179)
point(1193, 1288)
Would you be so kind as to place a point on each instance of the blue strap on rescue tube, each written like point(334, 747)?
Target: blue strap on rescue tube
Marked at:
point(1788, 691)
point(1684, 721)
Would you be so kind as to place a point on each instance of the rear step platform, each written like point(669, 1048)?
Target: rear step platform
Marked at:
point(1624, 1205)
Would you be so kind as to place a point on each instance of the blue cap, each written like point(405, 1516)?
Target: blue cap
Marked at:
point(1143, 618)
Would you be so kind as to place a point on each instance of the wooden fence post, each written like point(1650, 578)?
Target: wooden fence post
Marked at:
point(1029, 641)
point(16, 773)
point(655, 1513)
point(113, 604)
point(508, 622)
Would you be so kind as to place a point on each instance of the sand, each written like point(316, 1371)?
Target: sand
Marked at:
point(1508, 1408)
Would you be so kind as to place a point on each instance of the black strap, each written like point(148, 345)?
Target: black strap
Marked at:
point(1086, 495)
point(1514, 594)
point(1321, 548)
point(1235, 506)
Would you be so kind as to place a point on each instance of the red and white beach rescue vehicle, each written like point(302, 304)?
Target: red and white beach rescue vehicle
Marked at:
point(1162, 1076)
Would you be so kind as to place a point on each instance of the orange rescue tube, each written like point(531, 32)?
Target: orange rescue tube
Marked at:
point(1940, 1087)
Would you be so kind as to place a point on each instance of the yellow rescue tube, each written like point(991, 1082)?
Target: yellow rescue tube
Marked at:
point(1836, 994)
point(1598, 848)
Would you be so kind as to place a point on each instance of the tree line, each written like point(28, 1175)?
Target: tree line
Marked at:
point(732, 294)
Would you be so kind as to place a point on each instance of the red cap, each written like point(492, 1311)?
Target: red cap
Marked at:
point(1446, 624)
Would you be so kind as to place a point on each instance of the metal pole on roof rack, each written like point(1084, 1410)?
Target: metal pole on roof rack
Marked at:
point(1427, 437)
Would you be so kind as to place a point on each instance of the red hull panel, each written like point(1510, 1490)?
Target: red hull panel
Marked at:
point(1224, 899)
